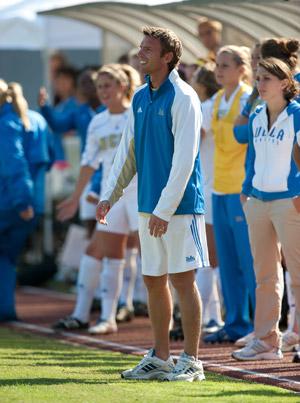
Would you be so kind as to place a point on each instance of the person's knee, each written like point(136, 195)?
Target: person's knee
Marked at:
point(183, 281)
point(155, 282)
point(94, 250)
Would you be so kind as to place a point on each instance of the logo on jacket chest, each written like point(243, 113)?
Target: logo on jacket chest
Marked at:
point(110, 141)
point(273, 136)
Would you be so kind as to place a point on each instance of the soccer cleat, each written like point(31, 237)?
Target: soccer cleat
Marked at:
point(212, 326)
point(243, 341)
point(296, 358)
point(187, 369)
point(221, 336)
point(70, 323)
point(290, 341)
point(257, 350)
point(103, 327)
point(124, 315)
point(150, 367)
point(140, 309)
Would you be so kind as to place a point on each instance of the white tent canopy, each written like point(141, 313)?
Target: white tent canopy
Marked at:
point(22, 28)
point(244, 21)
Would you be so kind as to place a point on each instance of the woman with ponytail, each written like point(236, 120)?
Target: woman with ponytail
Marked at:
point(116, 84)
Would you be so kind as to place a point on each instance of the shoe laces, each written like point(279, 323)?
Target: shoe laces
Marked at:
point(143, 361)
point(255, 344)
point(181, 364)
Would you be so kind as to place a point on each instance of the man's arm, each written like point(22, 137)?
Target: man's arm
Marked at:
point(187, 117)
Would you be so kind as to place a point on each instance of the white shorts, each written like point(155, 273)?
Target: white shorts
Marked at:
point(87, 210)
point(181, 249)
point(123, 216)
point(207, 190)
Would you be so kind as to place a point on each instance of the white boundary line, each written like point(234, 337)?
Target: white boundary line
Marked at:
point(47, 293)
point(124, 347)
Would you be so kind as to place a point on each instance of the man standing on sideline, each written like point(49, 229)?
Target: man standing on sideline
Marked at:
point(161, 144)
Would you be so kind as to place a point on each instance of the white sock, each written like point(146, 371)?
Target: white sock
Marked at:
point(129, 278)
point(87, 282)
point(215, 303)
point(204, 280)
point(112, 277)
point(140, 292)
point(98, 289)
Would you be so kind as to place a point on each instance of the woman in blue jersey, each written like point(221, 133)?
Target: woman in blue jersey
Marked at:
point(271, 202)
point(106, 248)
point(24, 158)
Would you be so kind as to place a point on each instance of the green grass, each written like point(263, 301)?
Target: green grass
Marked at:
point(38, 369)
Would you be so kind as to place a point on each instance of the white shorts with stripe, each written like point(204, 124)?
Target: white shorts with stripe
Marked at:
point(123, 216)
point(181, 249)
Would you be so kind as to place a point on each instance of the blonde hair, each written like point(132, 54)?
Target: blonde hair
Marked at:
point(122, 74)
point(3, 91)
point(242, 57)
point(16, 97)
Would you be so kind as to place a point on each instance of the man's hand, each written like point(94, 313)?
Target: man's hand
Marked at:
point(157, 226)
point(67, 208)
point(27, 214)
point(101, 211)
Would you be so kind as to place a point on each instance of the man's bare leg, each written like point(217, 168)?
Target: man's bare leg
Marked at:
point(160, 312)
point(190, 308)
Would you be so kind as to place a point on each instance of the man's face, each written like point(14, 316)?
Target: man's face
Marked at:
point(150, 57)
point(209, 37)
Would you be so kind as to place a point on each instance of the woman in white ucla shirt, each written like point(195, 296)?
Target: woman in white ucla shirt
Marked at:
point(116, 84)
point(272, 204)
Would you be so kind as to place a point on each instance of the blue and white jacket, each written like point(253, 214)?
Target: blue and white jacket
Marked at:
point(271, 171)
point(161, 143)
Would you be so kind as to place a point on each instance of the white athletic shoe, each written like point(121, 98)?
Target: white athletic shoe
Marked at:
point(103, 327)
point(150, 367)
point(290, 341)
point(187, 369)
point(257, 350)
point(243, 341)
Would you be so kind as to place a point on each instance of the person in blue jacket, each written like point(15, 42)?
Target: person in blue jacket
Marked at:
point(281, 48)
point(161, 144)
point(271, 201)
point(24, 157)
point(65, 87)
